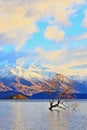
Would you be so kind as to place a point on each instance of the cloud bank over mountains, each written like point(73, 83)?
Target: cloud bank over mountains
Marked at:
point(51, 34)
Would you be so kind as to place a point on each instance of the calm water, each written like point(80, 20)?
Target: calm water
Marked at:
point(34, 115)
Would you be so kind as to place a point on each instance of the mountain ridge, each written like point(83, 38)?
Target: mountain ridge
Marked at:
point(28, 87)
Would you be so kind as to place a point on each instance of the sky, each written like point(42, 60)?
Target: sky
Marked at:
point(43, 35)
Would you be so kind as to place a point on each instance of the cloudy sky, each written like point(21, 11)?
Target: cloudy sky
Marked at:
point(44, 35)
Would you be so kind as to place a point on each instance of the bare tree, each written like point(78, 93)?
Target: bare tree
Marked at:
point(64, 89)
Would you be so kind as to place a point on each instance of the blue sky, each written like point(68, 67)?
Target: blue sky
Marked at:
point(49, 33)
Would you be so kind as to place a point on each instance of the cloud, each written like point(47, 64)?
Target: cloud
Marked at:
point(54, 33)
point(84, 24)
point(18, 18)
point(79, 37)
point(82, 36)
point(10, 57)
point(65, 61)
point(21, 61)
point(49, 56)
point(17, 28)
point(14, 25)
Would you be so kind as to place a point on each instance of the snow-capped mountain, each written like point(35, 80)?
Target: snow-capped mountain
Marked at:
point(31, 80)
point(26, 73)
point(29, 73)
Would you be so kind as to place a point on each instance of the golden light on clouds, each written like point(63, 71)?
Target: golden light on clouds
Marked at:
point(34, 26)
point(68, 62)
point(54, 33)
point(18, 18)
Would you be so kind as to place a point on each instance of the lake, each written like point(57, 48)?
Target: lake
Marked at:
point(35, 115)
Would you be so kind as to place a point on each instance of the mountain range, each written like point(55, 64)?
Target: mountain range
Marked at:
point(32, 87)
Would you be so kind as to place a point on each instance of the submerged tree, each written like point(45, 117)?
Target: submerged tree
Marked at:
point(63, 89)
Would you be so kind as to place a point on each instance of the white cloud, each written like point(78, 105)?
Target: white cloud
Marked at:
point(65, 61)
point(54, 33)
point(18, 18)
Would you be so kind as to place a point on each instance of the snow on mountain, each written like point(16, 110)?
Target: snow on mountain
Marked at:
point(31, 80)
point(5, 72)
point(33, 72)
point(18, 71)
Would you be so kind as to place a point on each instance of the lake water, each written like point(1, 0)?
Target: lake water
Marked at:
point(34, 115)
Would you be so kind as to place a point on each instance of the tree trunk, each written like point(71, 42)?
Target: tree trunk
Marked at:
point(56, 105)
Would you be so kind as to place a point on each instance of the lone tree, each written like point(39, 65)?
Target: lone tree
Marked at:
point(63, 89)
